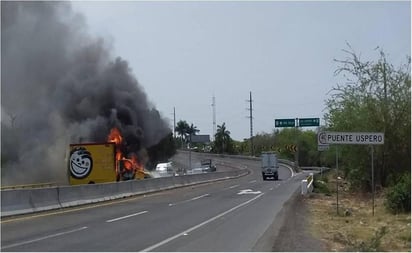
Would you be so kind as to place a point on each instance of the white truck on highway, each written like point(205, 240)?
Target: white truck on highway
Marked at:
point(270, 166)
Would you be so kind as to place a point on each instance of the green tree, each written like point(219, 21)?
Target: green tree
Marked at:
point(285, 137)
point(374, 98)
point(191, 130)
point(181, 128)
point(223, 141)
point(263, 142)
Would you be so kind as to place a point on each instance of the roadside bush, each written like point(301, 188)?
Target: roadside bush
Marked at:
point(372, 245)
point(398, 197)
point(320, 187)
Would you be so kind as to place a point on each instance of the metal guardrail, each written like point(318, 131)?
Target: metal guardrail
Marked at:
point(307, 184)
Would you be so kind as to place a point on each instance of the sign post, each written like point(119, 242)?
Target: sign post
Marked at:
point(358, 138)
point(373, 187)
point(337, 181)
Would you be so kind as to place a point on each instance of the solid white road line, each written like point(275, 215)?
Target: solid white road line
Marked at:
point(42, 238)
point(199, 225)
point(127, 216)
point(290, 168)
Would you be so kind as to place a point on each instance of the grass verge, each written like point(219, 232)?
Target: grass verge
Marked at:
point(355, 228)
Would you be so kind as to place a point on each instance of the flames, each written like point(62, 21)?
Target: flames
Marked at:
point(125, 166)
point(115, 136)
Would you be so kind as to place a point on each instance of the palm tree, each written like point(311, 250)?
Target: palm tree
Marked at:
point(192, 130)
point(222, 138)
point(182, 128)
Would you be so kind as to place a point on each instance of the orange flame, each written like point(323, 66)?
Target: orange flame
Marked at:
point(115, 136)
point(129, 164)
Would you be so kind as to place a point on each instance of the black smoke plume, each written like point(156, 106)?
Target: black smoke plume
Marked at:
point(60, 85)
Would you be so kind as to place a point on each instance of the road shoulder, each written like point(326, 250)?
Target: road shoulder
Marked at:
point(291, 234)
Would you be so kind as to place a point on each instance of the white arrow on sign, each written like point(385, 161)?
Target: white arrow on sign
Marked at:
point(249, 191)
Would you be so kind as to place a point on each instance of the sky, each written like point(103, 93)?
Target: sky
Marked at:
point(184, 53)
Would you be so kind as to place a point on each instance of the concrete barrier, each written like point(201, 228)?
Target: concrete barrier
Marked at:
point(22, 201)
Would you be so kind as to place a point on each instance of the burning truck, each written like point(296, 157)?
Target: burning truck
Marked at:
point(91, 163)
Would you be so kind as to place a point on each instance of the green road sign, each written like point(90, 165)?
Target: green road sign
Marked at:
point(308, 122)
point(284, 122)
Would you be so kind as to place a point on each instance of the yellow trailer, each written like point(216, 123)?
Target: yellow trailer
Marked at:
point(91, 163)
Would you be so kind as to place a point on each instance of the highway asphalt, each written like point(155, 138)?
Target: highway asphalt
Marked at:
point(228, 215)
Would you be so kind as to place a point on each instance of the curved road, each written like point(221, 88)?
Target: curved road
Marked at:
point(228, 215)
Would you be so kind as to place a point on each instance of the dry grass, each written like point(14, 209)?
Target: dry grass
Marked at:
point(356, 231)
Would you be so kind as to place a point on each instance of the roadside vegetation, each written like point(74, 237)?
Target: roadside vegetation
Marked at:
point(354, 228)
point(374, 96)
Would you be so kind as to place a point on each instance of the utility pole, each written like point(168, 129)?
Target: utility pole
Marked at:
point(214, 116)
point(174, 122)
point(297, 142)
point(251, 123)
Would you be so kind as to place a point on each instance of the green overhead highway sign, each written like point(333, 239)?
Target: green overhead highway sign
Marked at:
point(308, 122)
point(284, 122)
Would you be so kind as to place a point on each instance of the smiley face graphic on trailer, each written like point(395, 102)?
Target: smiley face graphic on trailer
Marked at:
point(80, 163)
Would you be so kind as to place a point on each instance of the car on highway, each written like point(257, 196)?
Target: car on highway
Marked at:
point(164, 169)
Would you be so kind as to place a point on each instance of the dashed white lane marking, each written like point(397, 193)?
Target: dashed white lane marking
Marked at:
point(253, 181)
point(234, 186)
point(43, 238)
point(188, 200)
point(248, 191)
point(199, 197)
point(199, 225)
point(127, 216)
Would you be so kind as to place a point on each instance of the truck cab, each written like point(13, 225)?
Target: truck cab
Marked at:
point(270, 166)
